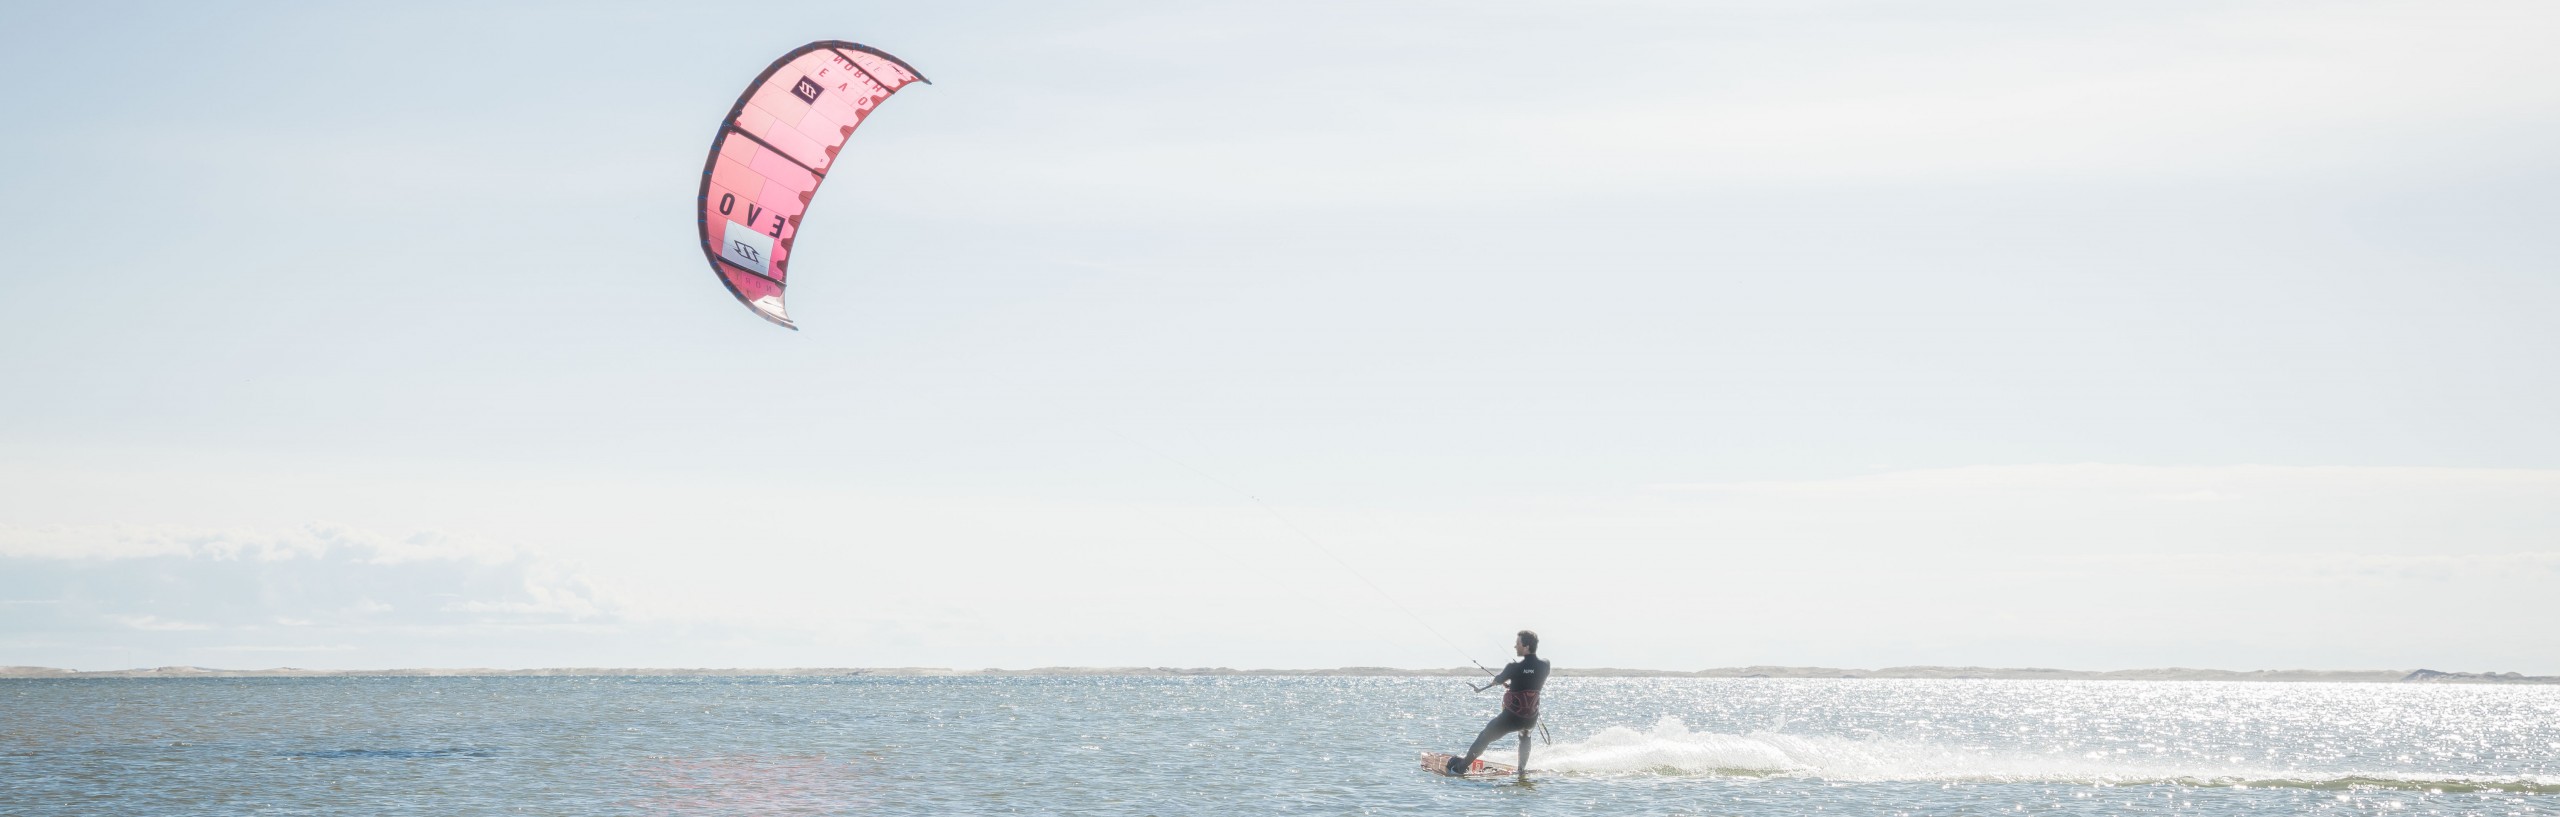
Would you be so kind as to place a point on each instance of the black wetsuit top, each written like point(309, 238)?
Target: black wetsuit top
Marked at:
point(1519, 710)
point(1524, 678)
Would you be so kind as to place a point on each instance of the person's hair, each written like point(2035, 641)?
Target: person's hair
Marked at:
point(1530, 638)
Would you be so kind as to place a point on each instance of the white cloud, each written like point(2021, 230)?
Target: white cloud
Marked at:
point(2336, 566)
point(311, 588)
point(119, 541)
point(2248, 90)
point(1458, 303)
point(2099, 508)
point(1636, 99)
point(156, 623)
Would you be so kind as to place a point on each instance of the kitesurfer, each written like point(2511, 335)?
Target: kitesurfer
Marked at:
point(1521, 681)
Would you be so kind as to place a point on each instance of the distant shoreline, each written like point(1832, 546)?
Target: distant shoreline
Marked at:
point(2423, 676)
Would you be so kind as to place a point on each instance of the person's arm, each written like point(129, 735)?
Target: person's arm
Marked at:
point(1509, 672)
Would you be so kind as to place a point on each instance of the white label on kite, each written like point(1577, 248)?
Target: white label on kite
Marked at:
point(745, 247)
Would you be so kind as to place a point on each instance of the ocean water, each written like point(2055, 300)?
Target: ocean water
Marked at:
point(1264, 745)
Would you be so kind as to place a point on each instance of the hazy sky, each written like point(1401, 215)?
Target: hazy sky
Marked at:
point(2204, 334)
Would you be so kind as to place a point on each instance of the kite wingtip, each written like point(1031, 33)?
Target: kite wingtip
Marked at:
point(770, 308)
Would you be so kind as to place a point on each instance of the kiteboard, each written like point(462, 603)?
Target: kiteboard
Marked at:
point(1438, 763)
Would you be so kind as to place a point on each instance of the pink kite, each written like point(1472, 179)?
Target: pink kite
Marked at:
point(774, 150)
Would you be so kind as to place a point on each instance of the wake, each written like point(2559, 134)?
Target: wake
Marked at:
point(1670, 748)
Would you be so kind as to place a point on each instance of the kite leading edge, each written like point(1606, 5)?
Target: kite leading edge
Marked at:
point(772, 153)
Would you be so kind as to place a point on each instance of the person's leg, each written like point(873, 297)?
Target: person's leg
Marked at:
point(1523, 768)
point(1492, 729)
point(1500, 725)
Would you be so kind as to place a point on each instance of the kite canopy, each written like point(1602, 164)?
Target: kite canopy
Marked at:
point(772, 153)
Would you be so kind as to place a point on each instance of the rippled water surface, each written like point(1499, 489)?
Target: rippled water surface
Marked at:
point(1226, 746)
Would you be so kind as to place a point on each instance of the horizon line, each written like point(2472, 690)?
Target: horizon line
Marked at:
point(1911, 672)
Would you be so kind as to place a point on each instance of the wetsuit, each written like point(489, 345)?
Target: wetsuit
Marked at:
point(1523, 678)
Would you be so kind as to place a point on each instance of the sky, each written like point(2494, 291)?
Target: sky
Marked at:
point(1291, 335)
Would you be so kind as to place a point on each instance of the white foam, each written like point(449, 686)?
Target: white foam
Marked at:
point(1669, 747)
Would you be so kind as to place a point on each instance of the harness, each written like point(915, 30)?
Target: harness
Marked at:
point(1520, 702)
